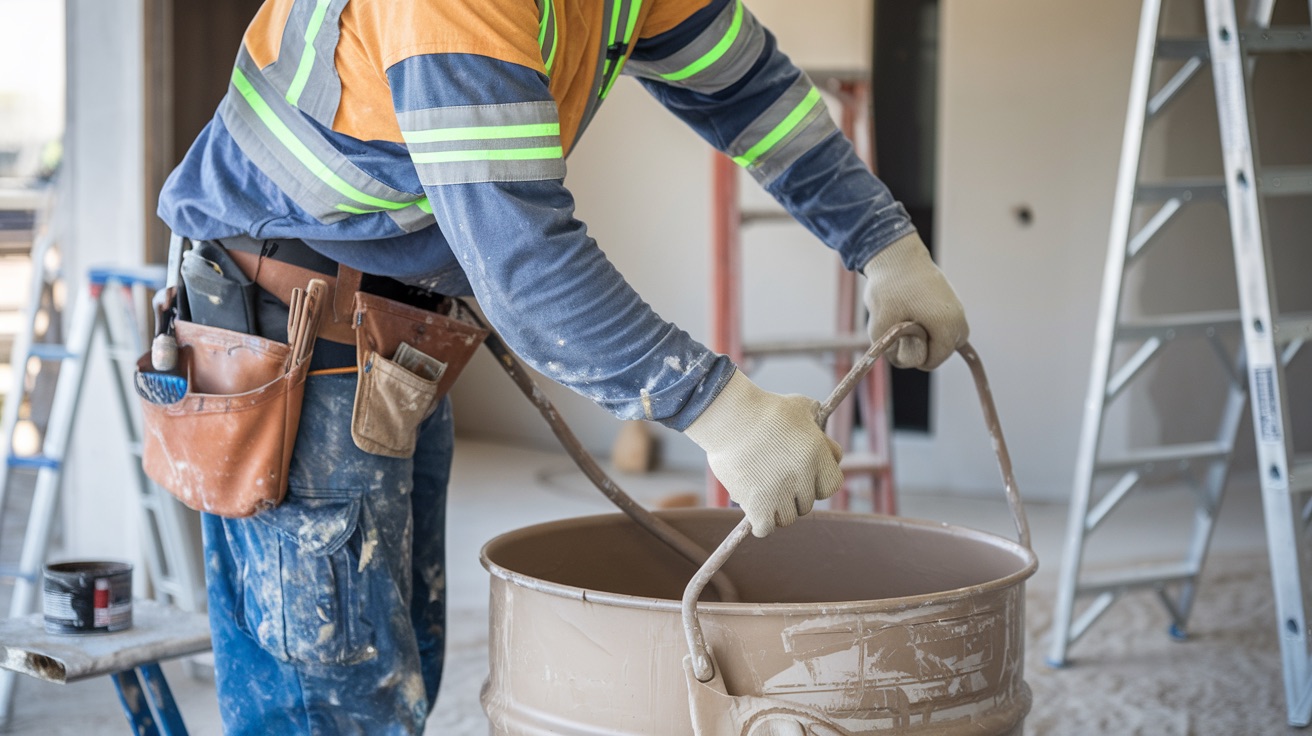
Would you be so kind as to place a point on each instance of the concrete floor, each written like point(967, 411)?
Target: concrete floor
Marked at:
point(498, 488)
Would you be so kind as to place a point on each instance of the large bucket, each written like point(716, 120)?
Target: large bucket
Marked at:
point(840, 624)
point(879, 623)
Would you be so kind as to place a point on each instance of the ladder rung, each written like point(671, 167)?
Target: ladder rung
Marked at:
point(855, 342)
point(9, 572)
point(32, 462)
point(1182, 48)
point(1143, 577)
point(1166, 454)
point(1275, 181)
point(863, 462)
point(50, 351)
point(1177, 325)
point(150, 276)
point(749, 216)
point(1291, 327)
point(1187, 189)
point(1276, 39)
point(1300, 474)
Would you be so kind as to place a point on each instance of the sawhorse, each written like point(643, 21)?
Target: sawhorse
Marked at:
point(159, 632)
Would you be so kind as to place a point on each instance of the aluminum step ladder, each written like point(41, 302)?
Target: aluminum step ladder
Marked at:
point(1262, 343)
point(109, 313)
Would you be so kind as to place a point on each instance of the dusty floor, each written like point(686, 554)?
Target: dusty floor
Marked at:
point(1128, 677)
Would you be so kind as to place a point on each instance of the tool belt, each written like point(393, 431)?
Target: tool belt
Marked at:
point(220, 421)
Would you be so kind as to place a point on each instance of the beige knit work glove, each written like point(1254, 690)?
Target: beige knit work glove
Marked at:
point(768, 451)
point(903, 284)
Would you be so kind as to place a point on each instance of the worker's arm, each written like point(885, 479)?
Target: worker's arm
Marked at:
point(484, 136)
point(720, 71)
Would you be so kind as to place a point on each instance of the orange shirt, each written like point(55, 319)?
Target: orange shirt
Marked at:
point(375, 34)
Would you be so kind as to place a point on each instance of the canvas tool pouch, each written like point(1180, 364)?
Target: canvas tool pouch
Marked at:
point(225, 446)
point(408, 359)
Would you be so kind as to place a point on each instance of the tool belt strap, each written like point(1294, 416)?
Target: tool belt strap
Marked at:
point(280, 278)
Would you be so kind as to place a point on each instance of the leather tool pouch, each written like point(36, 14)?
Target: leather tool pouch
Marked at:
point(225, 446)
point(408, 359)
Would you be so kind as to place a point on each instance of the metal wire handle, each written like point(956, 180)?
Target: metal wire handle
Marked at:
point(702, 663)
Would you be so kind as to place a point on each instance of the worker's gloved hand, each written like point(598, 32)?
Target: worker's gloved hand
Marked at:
point(768, 451)
point(903, 284)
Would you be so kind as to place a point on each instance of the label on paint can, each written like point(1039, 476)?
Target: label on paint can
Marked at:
point(87, 597)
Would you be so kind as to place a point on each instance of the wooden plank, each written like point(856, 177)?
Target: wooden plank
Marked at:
point(159, 632)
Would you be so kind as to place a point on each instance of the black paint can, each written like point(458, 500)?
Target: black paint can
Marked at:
point(87, 597)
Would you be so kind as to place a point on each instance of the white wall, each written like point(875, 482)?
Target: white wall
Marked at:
point(1032, 103)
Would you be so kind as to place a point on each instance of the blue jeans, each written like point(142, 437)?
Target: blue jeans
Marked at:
point(328, 612)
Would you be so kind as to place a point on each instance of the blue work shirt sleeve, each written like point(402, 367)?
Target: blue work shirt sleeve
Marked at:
point(721, 72)
point(488, 156)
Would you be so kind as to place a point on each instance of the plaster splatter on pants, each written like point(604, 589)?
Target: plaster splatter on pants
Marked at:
point(328, 612)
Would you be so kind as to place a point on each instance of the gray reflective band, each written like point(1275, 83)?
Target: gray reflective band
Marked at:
point(716, 59)
point(290, 150)
point(792, 125)
point(598, 78)
point(305, 73)
point(479, 143)
point(547, 35)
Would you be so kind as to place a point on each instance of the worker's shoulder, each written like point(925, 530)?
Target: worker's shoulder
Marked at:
point(400, 29)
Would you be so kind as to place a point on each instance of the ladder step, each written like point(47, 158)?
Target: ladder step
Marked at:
point(1177, 325)
point(1150, 576)
point(1300, 474)
point(9, 572)
point(750, 216)
point(1276, 39)
point(148, 276)
point(1164, 455)
point(855, 342)
point(1194, 189)
point(863, 462)
point(1291, 327)
point(32, 462)
point(50, 351)
point(1284, 180)
point(1273, 40)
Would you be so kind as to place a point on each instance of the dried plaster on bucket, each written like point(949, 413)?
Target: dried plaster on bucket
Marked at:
point(881, 624)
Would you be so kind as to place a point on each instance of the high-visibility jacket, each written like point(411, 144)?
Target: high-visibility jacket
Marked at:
point(426, 141)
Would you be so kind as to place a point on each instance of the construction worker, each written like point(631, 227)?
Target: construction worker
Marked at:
point(424, 145)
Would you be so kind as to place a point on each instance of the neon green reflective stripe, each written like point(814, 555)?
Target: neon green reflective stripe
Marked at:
point(438, 135)
point(303, 154)
point(712, 56)
point(496, 154)
point(781, 130)
point(542, 27)
point(423, 204)
point(614, 26)
point(555, 44)
point(634, 10)
point(308, 53)
point(613, 78)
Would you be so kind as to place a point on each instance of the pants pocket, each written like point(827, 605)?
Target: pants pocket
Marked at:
point(391, 399)
point(303, 594)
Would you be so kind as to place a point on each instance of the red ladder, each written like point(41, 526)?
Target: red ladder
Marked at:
point(868, 468)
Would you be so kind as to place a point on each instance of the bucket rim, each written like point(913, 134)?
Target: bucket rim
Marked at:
point(1023, 554)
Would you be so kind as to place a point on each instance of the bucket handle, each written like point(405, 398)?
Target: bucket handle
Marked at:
point(702, 664)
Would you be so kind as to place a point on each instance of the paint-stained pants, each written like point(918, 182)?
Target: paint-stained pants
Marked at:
point(328, 612)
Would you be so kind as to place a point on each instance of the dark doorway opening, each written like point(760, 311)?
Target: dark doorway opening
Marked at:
point(904, 93)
